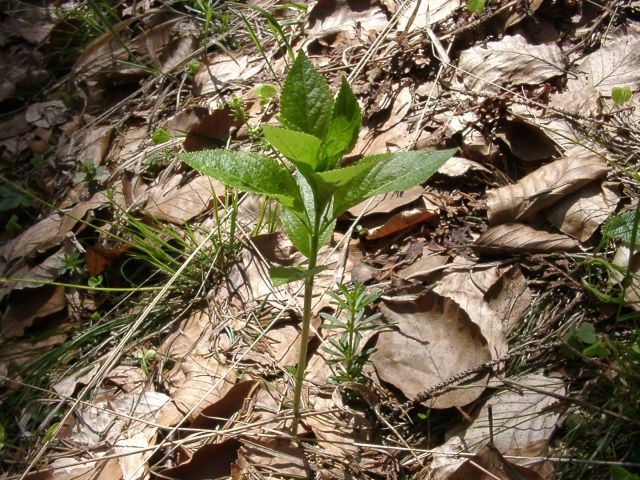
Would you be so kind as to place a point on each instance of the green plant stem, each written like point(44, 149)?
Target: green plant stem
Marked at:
point(77, 286)
point(632, 249)
point(304, 336)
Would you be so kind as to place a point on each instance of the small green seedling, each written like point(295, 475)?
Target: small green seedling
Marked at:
point(72, 263)
point(621, 95)
point(346, 351)
point(264, 92)
point(91, 173)
point(146, 358)
point(311, 185)
point(160, 136)
point(476, 6)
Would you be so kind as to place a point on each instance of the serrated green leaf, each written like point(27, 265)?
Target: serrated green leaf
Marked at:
point(306, 101)
point(298, 147)
point(248, 172)
point(341, 176)
point(283, 275)
point(391, 172)
point(344, 128)
point(620, 227)
point(297, 231)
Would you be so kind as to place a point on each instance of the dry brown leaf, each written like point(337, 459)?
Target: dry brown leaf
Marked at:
point(209, 130)
point(433, 339)
point(510, 61)
point(97, 422)
point(280, 345)
point(468, 289)
point(527, 142)
point(47, 271)
point(211, 461)
point(33, 305)
point(336, 432)
point(523, 420)
point(194, 384)
point(510, 297)
point(192, 337)
point(425, 267)
point(458, 166)
point(402, 221)
point(333, 17)
point(616, 63)
point(47, 114)
point(211, 416)
point(48, 232)
point(387, 202)
point(428, 13)
point(68, 384)
point(67, 468)
point(489, 464)
point(271, 458)
point(219, 71)
point(520, 238)
point(177, 203)
point(581, 214)
point(522, 426)
point(542, 188)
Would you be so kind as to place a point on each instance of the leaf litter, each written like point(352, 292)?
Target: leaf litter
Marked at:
point(531, 179)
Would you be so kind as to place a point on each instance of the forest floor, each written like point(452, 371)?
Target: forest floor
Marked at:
point(140, 334)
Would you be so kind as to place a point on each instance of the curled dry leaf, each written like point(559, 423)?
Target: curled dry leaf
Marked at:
point(425, 267)
point(581, 214)
point(211, 461)
point(386, 202)
point(542, 188)
point(192, 337)
point(223, 409)
point(402, 221)
point(510, 297)
point(48, 232)
point(510, 61)
point(526, 141)
point(458, 166)
point(433, 339)
point(34, 305)
point(209, 130)
point(520, 238)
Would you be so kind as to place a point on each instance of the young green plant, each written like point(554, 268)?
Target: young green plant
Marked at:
point(312, 186)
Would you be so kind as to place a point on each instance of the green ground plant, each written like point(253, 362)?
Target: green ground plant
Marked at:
point(309, 182)
point(346, 351)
